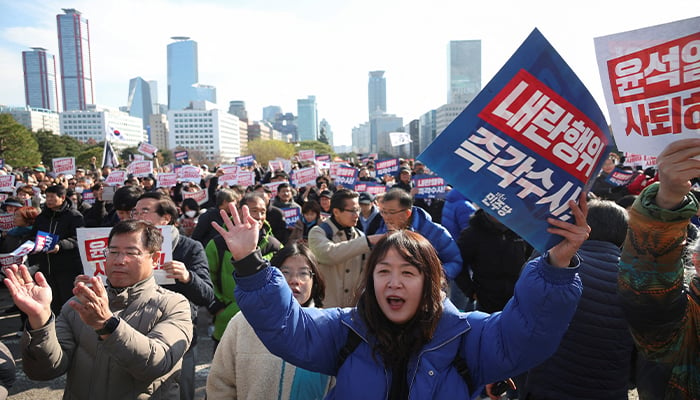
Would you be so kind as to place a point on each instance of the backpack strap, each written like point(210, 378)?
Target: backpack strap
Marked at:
point(327, 228)
point(351, 344)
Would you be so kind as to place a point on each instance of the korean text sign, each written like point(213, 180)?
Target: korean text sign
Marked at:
point(531, 140)
point(651, 82)
point(93, 241)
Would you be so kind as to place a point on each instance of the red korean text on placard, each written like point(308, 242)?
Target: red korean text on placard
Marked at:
point(535, 115)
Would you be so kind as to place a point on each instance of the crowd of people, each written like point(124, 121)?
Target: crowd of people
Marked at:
point(312, 289)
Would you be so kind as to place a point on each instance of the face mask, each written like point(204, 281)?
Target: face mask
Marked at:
point(190, 213)
point(88, 182)
point(79, 189)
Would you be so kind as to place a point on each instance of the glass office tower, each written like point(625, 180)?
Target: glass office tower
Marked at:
point(76, 65)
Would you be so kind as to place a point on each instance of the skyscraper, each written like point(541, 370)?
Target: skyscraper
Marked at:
point(307, 119)
point(270, 112)
point(463, 70)
point(376, 89)
point(237, 108)
point(76, 64)
point(140, 104)
point(183, 72)
point(40, 90)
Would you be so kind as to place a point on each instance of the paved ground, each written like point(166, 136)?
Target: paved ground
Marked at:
point(25, 389)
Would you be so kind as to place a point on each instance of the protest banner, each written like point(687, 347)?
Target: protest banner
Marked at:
point(386, 167)
point(200, 196)
point(44, 242)
point(88, 196)
point(650, 80)
point(166, 179)
point(324, 158)
point(429, 186)
point(147, 149)
point(93, 241)
point(7, 221)
point(399, 138)
point(63, 165)
point(273, 188)
point(7, 259)
point(531, 140)
point(246, 161)
point(116, 178)
point(7, 183)
point(230, 179)
point(189, 173)
point(245, 178)
point(140, 168)
point(228, 169)
point(181, 155)
point(291, 216)
point(620, 177)
point(370, 187)
point(138, 157)
point(346, 176)
point(307, 155)
point(304, 176)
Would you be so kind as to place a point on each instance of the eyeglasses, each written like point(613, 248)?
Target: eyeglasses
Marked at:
point(304, 275)
point(386, 212)
point(145, 211)
point(127, 254)
point(352, 210)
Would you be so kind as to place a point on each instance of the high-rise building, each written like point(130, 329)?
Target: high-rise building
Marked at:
point(237, 108)
point(361, 138)
point(153, 85)
point(286, 125)
point(445, 114)
point(307, 119)
point(40, 89)
point(158, 133)
point(183, 72)
point(426, 130)
point(35, 119)
point(270, 113)
point(463, 70)
point(140, 104)
point(206, 128)
point(380, 126)
point(325, 127)
point(376, 89)
point(75, 60)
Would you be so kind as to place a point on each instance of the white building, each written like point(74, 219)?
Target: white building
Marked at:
point(97, 122)
point(446, 114)
point(206, 128)
point(35, 119)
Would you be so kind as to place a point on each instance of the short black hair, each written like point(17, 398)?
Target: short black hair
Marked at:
point(166, 205)
point(151, 238)
point(125, 197)
point(339, 197)
point(404, 198)
point(58, 190)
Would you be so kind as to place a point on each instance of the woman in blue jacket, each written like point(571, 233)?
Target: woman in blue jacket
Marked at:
point(411, 336)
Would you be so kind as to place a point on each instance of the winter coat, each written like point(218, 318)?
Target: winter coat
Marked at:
point(243, 368)
point(221, 268)
point(63, 223)
point(597, 342)
point(340, 260)
point(141, 359)
point(494, 346)
point(495, 255)
point(373, 224)
point(439, 237)
point(456, 212)
point(663, 315)
point(203, 232)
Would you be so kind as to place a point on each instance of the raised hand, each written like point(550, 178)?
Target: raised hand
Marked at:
point(32, 297)
point(92, 304)
point(241, 232)
point(574, 234)
point(678, 163)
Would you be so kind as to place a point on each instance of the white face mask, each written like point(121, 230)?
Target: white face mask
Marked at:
point(79, 189)
point(190, 213)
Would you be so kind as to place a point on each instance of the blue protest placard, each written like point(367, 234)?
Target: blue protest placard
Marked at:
point(387, 167)
point(181, 155)
point(620, 177)
point(530, 141)
point(291, 216)
point(346, 176)
point(429, 186)
point(245, 161)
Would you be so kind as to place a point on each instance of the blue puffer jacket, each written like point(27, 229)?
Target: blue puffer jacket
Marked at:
point(456, 212)
point(494, 346)
point(598, 341)
point(439, 237)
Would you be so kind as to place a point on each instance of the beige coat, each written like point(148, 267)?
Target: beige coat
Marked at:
point(243, 368)
point(341, 262)
point(140, 360)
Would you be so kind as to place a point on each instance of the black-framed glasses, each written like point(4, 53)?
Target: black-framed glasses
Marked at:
point(385, 212)
point(352, 210)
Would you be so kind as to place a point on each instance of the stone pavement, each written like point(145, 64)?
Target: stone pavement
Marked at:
point(26, 389)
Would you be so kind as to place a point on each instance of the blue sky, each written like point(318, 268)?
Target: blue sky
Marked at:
point(274, 52)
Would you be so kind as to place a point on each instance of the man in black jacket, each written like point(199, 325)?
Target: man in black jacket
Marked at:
point(61, 264)
point(189, 268)
point(203, 232)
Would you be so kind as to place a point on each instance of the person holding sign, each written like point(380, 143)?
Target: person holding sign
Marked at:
point(413, 343)
point(123, 341)
point(662, 312)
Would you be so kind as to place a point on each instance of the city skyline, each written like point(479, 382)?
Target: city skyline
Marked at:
point(276, 53)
